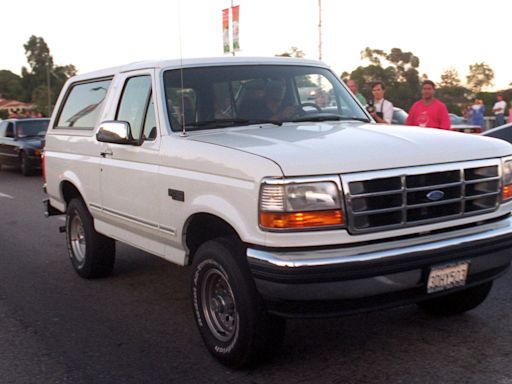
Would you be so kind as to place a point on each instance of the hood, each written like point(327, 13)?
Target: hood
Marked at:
point(344, 147)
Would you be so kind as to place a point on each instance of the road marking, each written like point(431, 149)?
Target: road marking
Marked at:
point(6, 195)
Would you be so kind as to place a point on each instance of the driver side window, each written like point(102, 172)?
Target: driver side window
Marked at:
point(134, 103)
point(9, 131)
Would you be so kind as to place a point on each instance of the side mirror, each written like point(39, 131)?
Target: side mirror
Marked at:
point(117, 132)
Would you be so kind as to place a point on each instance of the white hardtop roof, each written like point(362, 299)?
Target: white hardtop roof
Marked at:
point(198, 62)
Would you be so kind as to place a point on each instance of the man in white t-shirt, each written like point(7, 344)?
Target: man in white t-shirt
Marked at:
point(499, 111)
point(381, 109)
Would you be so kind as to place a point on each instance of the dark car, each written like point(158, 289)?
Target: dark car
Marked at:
point(503, 132)
point(21, 143)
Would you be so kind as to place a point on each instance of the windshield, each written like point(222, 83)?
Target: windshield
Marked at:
point(30, 128)
point(224, 96)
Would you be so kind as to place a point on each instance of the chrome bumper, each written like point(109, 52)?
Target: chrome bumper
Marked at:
point(363, 277)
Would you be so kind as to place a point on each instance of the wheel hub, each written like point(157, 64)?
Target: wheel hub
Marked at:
point(219, 307)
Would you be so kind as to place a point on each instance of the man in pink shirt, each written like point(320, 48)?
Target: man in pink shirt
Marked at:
point(429, 112)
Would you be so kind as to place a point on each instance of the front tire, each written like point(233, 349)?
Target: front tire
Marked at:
point(229, 312)
point(92, 254)
point(25, 167)
point(457, 302)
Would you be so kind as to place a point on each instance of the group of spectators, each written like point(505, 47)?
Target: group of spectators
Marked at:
point(428, 112)
point(475, 112)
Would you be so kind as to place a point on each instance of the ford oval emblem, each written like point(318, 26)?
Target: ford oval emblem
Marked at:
point(435, 195)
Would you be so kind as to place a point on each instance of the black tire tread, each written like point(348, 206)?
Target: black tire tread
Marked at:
point(264, 333)
point(100, 249)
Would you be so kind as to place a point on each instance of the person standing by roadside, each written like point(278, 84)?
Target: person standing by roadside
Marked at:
point(499, 111)
point(429, 112)
point(380, 108)
point(477, 113)
point(352, 85)
point(510, 114)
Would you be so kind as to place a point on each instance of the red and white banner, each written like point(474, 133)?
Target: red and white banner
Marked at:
point(235, 12)
point(225, 29)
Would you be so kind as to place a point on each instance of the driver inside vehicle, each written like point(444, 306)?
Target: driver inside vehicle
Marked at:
point(272, 106)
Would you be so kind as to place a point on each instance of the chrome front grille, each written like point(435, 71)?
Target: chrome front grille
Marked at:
point(384, 200)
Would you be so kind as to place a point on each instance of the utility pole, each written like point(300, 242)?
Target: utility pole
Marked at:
point(319, 29)
point(48, 84)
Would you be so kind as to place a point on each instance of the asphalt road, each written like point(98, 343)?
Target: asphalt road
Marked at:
point(137, 326)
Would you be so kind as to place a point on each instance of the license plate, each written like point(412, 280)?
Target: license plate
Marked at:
point(448, 276)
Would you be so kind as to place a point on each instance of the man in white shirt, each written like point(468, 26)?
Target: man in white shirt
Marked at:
point(499, 111)
point(382, 110)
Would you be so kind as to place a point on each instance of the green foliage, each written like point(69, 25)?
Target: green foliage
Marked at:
point(455, 97)
point(450, 78)
point(480, 76)
point(40, 72)
point(400, 75)
point(452, 93)
point(10, 85)
point(4, 114)
point(293, 52)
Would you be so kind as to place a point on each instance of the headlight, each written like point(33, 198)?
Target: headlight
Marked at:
point(507, 179)
point(296, 204)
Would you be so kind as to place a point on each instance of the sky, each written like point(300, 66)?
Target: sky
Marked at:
point(96, 34)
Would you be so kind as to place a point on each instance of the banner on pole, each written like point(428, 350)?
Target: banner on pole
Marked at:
point(225, 29)
point(235, 25)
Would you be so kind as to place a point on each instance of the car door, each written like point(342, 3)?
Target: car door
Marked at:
point(129, 173)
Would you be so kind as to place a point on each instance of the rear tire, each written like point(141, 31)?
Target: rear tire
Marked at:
point(458, 302)
point(92, 254)
point(229, 312)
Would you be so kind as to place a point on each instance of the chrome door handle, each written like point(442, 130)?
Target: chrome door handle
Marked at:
point(106, 152)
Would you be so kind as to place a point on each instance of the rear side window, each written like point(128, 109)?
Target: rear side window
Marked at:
point(83, 105)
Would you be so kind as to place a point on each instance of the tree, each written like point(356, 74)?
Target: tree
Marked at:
point(10, 85)
point(293, 52)
point(452, 93)
point(41, 71)
point(396, 69)
point(480, 75)
point(450, 78)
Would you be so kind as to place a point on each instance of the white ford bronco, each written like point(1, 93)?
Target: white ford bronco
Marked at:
point(269, 179)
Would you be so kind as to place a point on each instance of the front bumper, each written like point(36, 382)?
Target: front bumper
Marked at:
point(323, 282)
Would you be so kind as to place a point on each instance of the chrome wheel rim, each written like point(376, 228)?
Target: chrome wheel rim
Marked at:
point(218, 304)
point(77, 239)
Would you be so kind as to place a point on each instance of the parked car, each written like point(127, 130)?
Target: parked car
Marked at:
point(21, 143)
point(282, 208)
point(399, 116)
point(503, 132)
point(461, 125)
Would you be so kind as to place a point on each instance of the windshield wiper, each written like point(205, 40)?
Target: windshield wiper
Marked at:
point(322, 117)
point(222, 123)
point(329, 117)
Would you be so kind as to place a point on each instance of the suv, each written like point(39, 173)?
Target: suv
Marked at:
point(282, 208)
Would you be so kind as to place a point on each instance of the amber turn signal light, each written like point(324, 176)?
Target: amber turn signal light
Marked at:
point(507, 192)
point(296, 220)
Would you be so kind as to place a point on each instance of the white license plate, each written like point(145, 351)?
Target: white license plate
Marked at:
point(448, 276)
